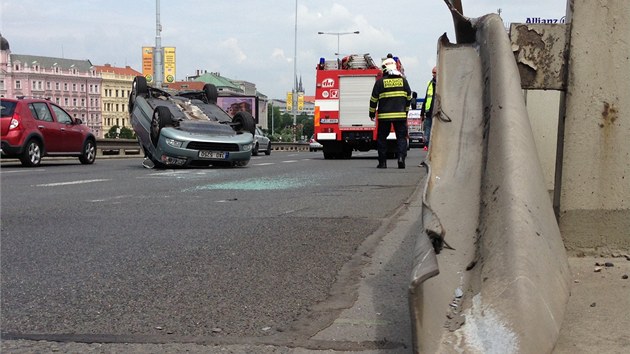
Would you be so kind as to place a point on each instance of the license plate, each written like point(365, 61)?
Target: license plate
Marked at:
point(204, 154)
point(415, 140)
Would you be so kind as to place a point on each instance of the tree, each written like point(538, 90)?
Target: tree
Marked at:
point(116, 132)
point(126, 133)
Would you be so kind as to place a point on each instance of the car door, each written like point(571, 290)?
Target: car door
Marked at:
point(72, 132)
point(49, 129)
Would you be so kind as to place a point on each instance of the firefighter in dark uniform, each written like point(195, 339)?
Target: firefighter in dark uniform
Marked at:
point(391, 98)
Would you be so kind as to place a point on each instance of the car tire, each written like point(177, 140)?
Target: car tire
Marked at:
point(244, 123)
point(255, 150)
point(242, 163)
point(138, 88)
point(32, 154)
point(211, 92)
point(88, 154)
point(162, 117)
point(268, 151)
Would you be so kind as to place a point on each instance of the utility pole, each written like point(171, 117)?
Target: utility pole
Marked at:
point(158, 62)
point(294, 91)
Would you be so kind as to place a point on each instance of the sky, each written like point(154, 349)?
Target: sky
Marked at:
point(263, 42)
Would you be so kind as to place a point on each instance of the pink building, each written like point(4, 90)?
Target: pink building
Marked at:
point(73, 84)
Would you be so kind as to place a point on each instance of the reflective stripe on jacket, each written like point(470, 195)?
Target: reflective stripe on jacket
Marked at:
point(392, 95)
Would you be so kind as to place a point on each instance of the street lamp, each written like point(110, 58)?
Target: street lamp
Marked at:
point(338, 34)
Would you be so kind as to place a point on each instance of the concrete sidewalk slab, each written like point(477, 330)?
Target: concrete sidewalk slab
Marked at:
point(597, 319)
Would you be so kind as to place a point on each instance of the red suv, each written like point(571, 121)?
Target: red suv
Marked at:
point(33, 128)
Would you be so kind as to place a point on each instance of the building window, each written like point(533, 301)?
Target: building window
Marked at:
point(18, 84)
point(83, 102)
point(82, 88)
point(65, 86)
point(17, 67)
point(47, 85)
point(74, 87)
point(74, 102)
point(56, 86)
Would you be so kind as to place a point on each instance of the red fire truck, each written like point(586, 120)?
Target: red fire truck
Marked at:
point(342, 99)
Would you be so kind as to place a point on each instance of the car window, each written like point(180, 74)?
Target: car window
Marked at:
point(40, 111)
point(62, 116)
point(7, 108)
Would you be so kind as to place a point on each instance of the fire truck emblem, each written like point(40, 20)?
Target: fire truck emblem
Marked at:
point(328, 83)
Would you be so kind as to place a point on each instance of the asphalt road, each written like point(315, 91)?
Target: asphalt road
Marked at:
point(115, 253)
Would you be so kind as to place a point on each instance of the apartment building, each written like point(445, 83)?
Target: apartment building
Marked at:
point(73, 84)
point(115, 90)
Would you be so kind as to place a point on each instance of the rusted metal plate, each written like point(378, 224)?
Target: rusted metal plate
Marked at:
point(540, 51)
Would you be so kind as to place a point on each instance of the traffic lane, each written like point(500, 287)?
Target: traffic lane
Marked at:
point(98, 272)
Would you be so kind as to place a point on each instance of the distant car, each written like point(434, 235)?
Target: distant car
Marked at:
point(261, 143)
point(416, 139)
point(33, 128)
point(314, 145)
point(188, 128)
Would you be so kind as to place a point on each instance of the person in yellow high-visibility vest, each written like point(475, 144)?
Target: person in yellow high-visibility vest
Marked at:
point(426, 112)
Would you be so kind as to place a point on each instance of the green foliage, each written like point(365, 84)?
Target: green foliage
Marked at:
point(125, 133)
point(283, 125)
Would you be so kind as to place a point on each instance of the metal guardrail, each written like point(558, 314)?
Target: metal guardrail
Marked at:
point(125, 147)
point(490, 272)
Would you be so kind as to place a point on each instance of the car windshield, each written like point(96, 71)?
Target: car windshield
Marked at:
point(7, 108)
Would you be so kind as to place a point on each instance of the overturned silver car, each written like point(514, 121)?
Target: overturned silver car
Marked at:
point(188, 128)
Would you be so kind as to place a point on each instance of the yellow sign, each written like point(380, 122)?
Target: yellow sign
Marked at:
point(300, 103)
point(289, 101)
point(169, 64)
point(147, 63)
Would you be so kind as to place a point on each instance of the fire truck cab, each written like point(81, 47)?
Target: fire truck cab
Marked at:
point(342, 98)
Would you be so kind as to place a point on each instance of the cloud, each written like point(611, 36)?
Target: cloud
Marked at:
point(233, 50)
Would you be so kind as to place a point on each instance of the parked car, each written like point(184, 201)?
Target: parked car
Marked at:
point(33, 128)
point(261, 143)
point(188, 128)
point(416, 139)
point(314, 145)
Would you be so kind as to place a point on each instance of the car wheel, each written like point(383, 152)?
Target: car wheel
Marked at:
point(268, 151)
point(244, 123)
point(138, 88)
point(255, 150)
point(89, 153)
point(211, 93)
point(32, 155)
point(162, 117)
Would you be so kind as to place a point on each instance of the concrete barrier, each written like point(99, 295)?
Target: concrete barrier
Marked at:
point(123, 147)
point(502, 283)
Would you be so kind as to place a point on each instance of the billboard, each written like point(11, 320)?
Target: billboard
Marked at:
point(169, 64)
point(147, 63)
point(234, 104)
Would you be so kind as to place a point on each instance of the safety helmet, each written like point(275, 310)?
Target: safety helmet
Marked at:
point(389, 64)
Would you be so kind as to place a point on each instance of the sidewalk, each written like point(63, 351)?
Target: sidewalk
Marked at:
point(597, 319)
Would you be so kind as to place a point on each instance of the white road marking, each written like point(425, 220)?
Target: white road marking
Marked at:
point(289, 161)
point(25, 170)
point(71, 183)
point(264, 164)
